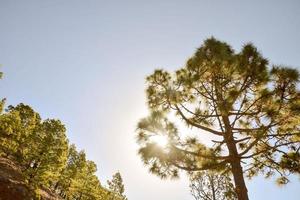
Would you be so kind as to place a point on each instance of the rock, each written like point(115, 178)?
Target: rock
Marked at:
point(14, 187)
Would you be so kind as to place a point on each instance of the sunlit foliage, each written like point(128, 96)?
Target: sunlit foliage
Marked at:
point(42, 151)
point(250, 107)
point(116, 188)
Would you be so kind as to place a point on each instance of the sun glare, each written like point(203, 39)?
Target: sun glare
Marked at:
point(161, 140)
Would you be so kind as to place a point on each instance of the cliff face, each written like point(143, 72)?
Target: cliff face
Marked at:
point(13, 186)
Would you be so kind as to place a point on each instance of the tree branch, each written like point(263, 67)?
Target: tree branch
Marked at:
point(197, 125)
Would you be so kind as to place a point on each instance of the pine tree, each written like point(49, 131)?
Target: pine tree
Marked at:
point(74, 162)
point(116, 187)
point(248, 108)
point(18, 128)
point(87, 182)
point(78, 180)
point(211, 186)
point(49, 153)
point(2, 103)
point(40, 148)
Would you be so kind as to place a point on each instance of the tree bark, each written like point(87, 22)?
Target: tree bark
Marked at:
point(237, 171)
point(235, 162)
point(240, 186)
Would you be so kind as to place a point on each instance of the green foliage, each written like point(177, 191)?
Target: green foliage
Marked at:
point(49, 153)
point(116, 188)
point(78, 179)
point(41, 149)
point(2, 103)
point(251, 108)
point(18, 127)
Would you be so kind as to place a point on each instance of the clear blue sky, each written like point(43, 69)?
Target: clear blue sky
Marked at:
point(85, 61)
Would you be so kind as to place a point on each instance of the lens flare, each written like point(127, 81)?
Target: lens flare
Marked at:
point(160, 140)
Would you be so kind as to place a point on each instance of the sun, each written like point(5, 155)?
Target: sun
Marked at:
point(160, 140)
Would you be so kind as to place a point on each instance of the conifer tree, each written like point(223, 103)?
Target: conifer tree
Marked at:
point(70, 175)
point(87, 182)
point(116, 187)
point(249, 109)
point(211, 186)
point(2, 103)
point(49, 153)
point(78, 180)
point(40, 148)
point(18, 128)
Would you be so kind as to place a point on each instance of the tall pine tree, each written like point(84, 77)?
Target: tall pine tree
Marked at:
point(249, 109)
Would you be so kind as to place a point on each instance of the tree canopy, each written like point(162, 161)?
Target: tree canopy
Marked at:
point(249, 109)
point(42, 151)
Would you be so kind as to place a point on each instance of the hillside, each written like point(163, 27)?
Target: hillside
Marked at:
point(13, 186)
point(40, 156)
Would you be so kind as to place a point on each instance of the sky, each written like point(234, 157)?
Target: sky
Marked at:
point(85, 62)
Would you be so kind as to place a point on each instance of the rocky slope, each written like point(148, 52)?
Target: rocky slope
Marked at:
point(13, 186)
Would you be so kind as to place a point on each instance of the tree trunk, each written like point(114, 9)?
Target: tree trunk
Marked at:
point(235, 162)
point(239, 182)
point(237, 171)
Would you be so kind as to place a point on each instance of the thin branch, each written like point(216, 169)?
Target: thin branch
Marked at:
point(197, 125)
point(198, 168)
point(198, 154)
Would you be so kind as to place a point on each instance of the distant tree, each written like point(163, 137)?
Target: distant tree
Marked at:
point(18, 128)
point(250, 110)
point(78, 180)
point(68, 177)
point(40, 148)
point(211, 186)
point(87, 183)
point(2, 103)
point(48, 153)
point(116, 188)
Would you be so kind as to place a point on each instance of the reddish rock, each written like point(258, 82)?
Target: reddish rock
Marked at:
point(13, 186)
